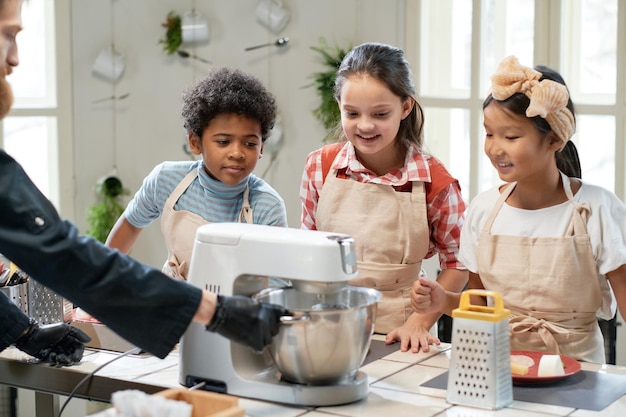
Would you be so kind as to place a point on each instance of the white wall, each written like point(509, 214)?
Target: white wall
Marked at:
point(146, 128)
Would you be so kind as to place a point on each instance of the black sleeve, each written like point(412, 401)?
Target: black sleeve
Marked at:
point(13, 322)
point(138, 302)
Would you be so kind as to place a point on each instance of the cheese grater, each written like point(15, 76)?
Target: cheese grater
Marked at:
point(480, 364)
point(39, 302)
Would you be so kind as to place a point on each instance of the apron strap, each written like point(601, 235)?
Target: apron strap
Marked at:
point(544, 329)
point(552, 324)
point(180, 189)
point(496, 208)
point(329, 153)
point(578, 226)
point(245, 215)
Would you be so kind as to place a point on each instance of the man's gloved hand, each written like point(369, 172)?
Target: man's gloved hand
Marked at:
point(246, 321)
point(57, 344)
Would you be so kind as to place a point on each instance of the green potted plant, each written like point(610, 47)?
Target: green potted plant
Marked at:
point(174, 37)
point(173, 33)
point(324, 81)
point(103, 215)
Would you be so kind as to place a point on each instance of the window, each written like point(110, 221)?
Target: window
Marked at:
point(579, 38)
point(589, 59)
point(32, 130)
point(585, 40)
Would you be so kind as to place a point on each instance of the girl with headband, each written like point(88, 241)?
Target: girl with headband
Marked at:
point(548, 242)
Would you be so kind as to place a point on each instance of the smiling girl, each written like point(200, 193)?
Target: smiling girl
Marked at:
point(376, 184)
point(548, 242)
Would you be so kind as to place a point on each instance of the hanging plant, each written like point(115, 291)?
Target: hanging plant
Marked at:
point(103, 215)
point(324, 81)
point(173, 34)
point(174, 38)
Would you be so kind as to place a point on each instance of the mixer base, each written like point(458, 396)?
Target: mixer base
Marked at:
point(268, 388)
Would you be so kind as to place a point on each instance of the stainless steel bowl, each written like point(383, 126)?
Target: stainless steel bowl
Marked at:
point(327, 338)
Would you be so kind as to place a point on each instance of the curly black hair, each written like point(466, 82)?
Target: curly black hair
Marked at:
point(228, 90)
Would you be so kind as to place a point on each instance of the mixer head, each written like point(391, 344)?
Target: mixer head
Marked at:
point(317, 287)
point(228, 256)
point(332, 286)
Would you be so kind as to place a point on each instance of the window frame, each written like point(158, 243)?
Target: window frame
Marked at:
point(548, 25)
point(60, 146)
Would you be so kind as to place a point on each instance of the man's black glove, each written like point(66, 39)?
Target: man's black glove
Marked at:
point(57, 344)
point(246, 321)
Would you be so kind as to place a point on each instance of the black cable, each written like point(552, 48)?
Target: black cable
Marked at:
point(91, 374)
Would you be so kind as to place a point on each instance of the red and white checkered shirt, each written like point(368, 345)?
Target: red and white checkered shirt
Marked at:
point(445, 212)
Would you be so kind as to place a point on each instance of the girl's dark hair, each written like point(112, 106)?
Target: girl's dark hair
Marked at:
point(228, 90)
point(567, 160)
point(387, 64)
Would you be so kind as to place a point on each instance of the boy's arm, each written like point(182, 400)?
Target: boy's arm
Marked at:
point(123, 235)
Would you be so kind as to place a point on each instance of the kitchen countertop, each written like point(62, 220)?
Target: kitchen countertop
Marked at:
point(395, 386)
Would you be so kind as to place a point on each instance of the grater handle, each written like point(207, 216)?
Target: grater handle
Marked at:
point(466, 305)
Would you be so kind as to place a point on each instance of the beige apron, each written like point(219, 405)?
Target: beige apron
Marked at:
point(391, 235)
point(179, 229)
point(550, 284)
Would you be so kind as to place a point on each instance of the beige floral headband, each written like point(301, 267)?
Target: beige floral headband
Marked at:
point(548, 98)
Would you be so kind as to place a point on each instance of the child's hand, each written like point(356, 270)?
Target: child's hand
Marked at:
point(412, 335)
point(427, 296)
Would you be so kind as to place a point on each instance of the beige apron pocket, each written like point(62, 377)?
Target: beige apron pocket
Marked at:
point(172, 268)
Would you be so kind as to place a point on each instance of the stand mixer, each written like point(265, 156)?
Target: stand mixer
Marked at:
point(239, 259)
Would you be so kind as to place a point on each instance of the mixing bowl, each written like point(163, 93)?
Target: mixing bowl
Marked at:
point(328, 336)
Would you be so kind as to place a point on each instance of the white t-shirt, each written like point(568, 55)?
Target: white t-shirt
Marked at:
point(606, 226)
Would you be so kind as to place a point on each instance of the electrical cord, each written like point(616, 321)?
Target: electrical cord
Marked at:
point(92, 373)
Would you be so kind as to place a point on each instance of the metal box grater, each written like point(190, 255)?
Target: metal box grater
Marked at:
point(39, 302)
point(480, 364)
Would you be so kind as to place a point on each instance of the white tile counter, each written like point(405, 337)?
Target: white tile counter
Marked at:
point(395, 386)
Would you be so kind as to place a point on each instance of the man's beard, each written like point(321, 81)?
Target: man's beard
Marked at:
point(6, 95)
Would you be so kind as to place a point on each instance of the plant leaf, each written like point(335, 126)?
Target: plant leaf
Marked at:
point(102, 216)
point(324, 82)
point(173, 34)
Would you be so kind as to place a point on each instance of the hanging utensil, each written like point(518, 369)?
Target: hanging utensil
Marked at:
point(279, 42)
point(100, 100)
point(185, 54)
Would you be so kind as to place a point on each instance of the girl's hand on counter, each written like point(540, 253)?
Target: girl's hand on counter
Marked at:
point(414, 335)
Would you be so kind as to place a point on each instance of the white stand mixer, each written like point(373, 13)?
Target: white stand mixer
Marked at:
point(238, 259)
